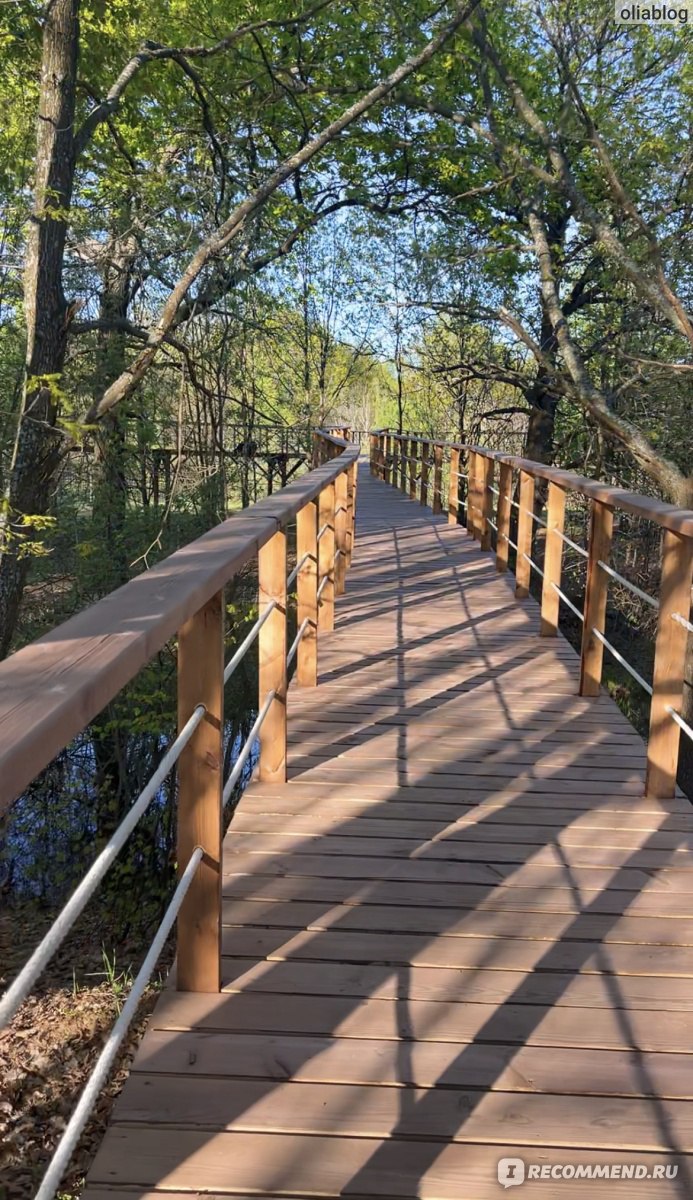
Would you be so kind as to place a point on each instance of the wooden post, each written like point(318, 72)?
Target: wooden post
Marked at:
point(472, 519)
point(403, 450)
point(503, 510)
point(340, 529)
point(388, 459)
point(525, 530)
point(413, 463)
point(374, 450)
point(381, 456)
point(437, 479)
point(200, 767)
point(271, 564)
point(553, 560)
point(485, 500)
point(425, 451)
point(454, 486)
point(596, 591)
point(670, 657)
point(350, 476)
point(326, 547)
point(307, 607)
point(354, 474)
point(394, 474)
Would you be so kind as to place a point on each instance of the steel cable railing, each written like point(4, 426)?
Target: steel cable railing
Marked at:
point(297, 641)
point(72, 1133)
point(247, 747)
point(632, 587)
point(623, 661)
point(248, 641)
point(17, 993)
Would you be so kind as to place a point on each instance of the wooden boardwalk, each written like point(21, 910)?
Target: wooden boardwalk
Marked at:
point(458, 933)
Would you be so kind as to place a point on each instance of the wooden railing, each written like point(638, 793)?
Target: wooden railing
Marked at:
point(490, 487)
point(50, 690)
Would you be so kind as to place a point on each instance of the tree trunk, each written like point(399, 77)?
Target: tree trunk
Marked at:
point(36, 455)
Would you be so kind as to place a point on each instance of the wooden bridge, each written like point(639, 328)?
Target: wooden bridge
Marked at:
point(455, 922)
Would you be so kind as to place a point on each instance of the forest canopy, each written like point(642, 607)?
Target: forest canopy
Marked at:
point(471, 218)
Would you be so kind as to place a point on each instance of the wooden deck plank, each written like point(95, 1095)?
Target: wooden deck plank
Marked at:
point(481, 986)
point(314, 1059)
point(438, 1114)
point(460, 931)
point(284, 1164)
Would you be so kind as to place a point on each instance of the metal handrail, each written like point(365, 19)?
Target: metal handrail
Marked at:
point(73, 1130)
point(632, 587)
point(247, 747)
point(17, 993)
point(623, 661)
point(566, 600)
point(248, 641)
point(296, 642)
point(293, 574)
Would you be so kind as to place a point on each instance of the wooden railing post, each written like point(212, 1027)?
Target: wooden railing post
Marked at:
point(307, 588)
point(394, 475)
point(596, 592)
point(381, 456)
point(374, 446)
point(437, 479)
point(351, 511)
point(472, 498)
point(553, 560)
point(454, 486)
point(669, 663)
point(425, 451)
point(503, 511)
point(340, 529)
point(403, 450)
point(470, 493)
point(326, 548)
point(413, 464)
point(485, 500)
point(388, 458)
point(525, 530)
point(200, 768)
point(272, 658)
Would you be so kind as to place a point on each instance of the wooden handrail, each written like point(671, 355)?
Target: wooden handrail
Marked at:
point(51, 689)
point(680, 520)
point(389, 449)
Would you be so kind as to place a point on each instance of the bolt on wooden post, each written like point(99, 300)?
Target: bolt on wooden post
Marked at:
point(272, 658)
point(307, 594)
point(437, 479)
point(200, 766)
point(454, 486)
point(553, 561)
point(326, 548)
point(503, 510)
point(596, 594)
point(525, 531)
point(669, 665)
point(340, 527)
